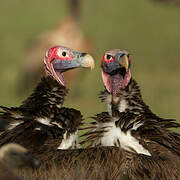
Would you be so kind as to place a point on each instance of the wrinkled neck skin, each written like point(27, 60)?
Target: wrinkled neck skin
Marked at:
point(128, 99)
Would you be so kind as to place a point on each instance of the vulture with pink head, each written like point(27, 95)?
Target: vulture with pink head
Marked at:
point(130, 124)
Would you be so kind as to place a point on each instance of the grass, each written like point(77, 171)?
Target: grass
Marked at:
point(149, 31)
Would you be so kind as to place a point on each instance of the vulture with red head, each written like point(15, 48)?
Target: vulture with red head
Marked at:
point(41, 120)
point(129, 123)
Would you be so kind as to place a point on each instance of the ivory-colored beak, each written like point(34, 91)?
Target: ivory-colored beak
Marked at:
point(124, 62)
point(87, 61)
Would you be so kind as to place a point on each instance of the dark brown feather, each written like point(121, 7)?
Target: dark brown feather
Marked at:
point(103, 163)
point(44, 103)
point(7, 174)
point(151, 128)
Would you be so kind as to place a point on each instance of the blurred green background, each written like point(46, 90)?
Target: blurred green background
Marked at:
point(149, 31)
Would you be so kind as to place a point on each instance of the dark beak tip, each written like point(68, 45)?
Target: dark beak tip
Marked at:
point(122, 55)
point(83, 54)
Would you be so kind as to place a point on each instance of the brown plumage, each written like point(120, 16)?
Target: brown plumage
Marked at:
point(129, 123)
point(33, 133)
point(128, 116)
point(103, 163)
point(41, 121)
point(152, 129)
point(7, 174)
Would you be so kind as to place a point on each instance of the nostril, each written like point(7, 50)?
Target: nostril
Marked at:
point(83, 54)
point(122, 55)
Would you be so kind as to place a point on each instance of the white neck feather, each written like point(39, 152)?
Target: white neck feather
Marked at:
point(126, 140)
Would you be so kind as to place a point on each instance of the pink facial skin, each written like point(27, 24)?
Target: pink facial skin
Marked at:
point(114, 83)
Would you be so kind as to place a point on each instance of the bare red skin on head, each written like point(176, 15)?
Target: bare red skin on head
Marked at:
point(53, 54)
point(104, 59)
point(113, 53)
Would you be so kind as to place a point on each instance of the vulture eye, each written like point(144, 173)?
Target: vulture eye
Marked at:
point(108, 57)
point(64, 54)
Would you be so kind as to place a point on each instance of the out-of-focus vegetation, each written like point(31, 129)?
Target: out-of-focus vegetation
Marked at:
point(149, 31)
point(176, 2)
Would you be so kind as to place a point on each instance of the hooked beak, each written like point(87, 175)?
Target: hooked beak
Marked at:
point(123, 61)
point(87, 61)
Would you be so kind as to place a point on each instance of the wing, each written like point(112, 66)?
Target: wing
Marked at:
point(42, 132)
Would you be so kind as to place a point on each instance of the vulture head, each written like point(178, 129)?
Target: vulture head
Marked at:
point(116, 70)
point(15, 156)
point(59, 59)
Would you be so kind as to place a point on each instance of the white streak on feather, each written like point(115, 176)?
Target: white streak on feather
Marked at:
point(13, 125)
point(44, 120)
point(136, 126)
point(122, 105)
point(109, 109)
point(55, 123)
point(127, 141)
point(108, 101)
point(69, 141)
